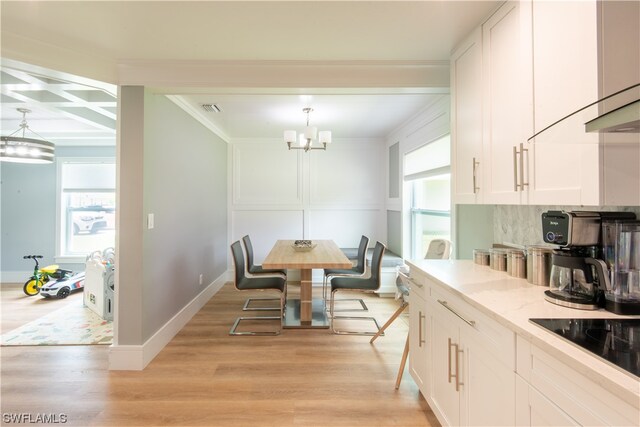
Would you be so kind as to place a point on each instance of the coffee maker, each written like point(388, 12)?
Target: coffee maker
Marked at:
point(579, 275)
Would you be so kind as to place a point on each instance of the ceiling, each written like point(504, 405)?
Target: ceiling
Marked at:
point(93, 40)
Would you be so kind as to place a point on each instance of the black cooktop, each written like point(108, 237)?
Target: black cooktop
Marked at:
point(615, 340)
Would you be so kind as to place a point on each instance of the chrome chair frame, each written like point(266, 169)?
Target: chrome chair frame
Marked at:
point(376, 267)
point(238, 257)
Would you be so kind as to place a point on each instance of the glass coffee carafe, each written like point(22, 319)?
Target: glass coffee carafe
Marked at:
point(621, 252)
point(572, 282)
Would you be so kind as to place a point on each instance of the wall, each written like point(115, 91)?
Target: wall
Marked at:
point(335, 194)
point(172, 166)
point(431, 123)
point(28, 212)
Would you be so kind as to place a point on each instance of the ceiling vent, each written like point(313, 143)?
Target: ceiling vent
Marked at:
point(211, 108)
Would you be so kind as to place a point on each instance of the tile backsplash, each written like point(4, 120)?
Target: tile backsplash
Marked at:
point(521, 225)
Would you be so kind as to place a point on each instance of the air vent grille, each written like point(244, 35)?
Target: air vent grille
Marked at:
point(211, 108)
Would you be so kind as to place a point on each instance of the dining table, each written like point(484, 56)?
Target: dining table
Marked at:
point(306, 312)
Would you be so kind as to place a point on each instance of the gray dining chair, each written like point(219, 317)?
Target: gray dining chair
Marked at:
point(359, 284)
point(266, 283)
point(358, 270)
point(257, 270)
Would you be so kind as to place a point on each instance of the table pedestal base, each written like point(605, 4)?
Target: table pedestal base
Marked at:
point(319, 319)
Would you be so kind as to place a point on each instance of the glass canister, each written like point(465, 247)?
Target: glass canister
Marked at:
point(539, 265)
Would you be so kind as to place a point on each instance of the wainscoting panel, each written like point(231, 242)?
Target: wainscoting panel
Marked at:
point(350, 175)
point(265, 227)
point(345, 227)
point(264, 174)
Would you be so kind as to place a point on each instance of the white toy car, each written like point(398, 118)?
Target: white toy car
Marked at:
point(61, 288)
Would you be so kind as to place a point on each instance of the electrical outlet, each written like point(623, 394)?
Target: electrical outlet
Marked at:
point(201, 279)
point(150, 221)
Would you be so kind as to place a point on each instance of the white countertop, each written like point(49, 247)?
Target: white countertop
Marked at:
point(512, 302)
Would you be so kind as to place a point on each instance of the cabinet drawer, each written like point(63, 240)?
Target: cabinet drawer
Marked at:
point(419, 283)
point(581, 398)
point(499, 340)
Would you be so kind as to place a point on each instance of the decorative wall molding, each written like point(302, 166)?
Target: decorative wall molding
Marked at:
point(137, 357)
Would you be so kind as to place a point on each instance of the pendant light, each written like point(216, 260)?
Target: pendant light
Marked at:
point(20, 149)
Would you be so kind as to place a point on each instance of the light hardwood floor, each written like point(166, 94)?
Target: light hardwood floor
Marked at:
point(206, 377)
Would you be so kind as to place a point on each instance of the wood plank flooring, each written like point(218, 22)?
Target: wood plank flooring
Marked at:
point(204, 377)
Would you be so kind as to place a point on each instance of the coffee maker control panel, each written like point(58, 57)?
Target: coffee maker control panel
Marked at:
point(555, 227)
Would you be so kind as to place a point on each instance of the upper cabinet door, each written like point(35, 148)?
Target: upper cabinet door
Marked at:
point(505, 171)
point(466, 110)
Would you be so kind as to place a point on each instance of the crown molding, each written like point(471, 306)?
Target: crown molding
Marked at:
point(199, 116)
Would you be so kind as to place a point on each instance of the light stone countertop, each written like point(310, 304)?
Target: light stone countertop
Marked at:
point(513, 301)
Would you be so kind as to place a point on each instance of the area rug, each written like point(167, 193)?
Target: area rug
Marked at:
point(70, 325)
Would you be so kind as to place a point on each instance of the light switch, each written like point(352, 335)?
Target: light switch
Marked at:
point(150, 221)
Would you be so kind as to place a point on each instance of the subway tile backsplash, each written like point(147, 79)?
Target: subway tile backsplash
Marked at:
point(521, 225)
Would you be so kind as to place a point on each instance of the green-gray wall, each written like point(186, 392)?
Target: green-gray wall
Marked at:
point(173, 167)
point(28, 211)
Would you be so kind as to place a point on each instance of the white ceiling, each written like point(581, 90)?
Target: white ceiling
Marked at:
point(174, 32)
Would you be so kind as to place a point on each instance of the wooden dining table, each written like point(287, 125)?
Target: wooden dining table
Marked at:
point(306, 312)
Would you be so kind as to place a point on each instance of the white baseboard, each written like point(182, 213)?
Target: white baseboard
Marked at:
point(137, 357)
point(15, 276)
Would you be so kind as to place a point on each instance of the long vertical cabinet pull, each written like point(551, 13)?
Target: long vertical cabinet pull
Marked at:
point(449, 361)
point(458, 382)
point(522, 151)
point(456, 354)
point(515, 169)
point(421, 329)
point(475, 166)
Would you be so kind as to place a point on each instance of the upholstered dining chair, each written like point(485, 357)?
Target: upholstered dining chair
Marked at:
point(264, 283)
point(438, 249)
point(360, 284)
point(257, 270)
point(358, 270)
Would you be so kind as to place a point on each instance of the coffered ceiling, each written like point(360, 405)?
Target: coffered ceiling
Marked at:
point(100, 41)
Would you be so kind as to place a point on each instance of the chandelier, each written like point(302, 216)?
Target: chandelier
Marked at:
point(305, 140)
point(19, 149)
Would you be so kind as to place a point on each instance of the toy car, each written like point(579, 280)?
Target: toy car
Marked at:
point(61, 288)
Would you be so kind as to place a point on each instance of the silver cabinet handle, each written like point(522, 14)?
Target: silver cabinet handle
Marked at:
point(413, 282)
point(515, 169)
point(522, 151)
point(421, 318)
point(449, 361)
point(458, 382)
point(475, 165)
point(446, 305)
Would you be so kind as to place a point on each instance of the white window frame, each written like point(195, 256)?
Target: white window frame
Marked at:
point(60, 161)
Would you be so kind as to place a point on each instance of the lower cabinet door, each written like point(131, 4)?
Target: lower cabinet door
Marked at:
point(534, 409)
point(418, 342)
point(489, 385)
point(444, 369)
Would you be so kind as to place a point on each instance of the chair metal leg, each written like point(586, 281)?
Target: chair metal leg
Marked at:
point(325, 285)
point(249, 300)
point(232, 331)
point(402, 363)
point(342, 332)
point(391, 319)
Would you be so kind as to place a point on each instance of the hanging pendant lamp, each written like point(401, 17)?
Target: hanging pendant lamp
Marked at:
point(20, 149)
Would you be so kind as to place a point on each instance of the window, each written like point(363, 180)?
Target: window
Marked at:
point(428, 177)
point(87, 202)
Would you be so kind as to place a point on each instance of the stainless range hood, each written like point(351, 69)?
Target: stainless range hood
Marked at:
point(623, 119)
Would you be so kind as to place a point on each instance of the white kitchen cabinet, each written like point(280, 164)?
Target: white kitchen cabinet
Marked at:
point(505, 159)
point(466, 115)
point(472, 365)
point(418, 347)
point(552, 393)
point(574, 66)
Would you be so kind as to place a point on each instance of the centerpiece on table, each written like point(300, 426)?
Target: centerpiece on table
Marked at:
point(303, 245)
